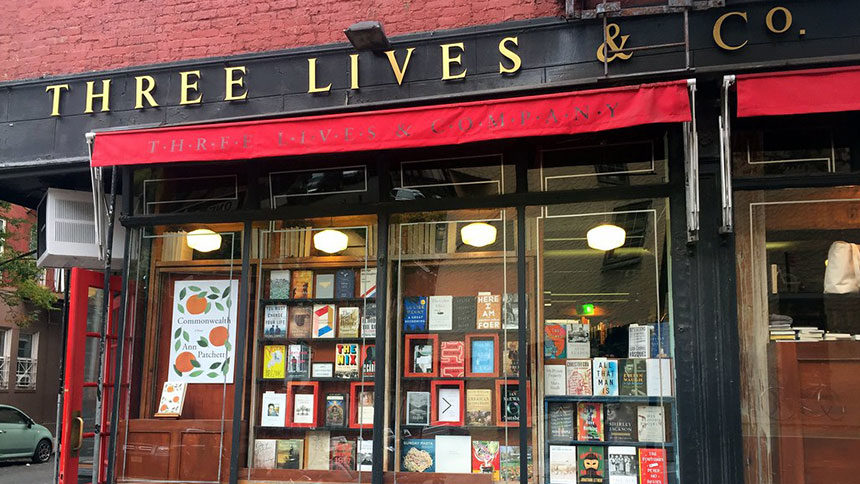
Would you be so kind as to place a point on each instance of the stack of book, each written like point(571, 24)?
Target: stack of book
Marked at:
point(780, 328)
point(809, 333)
point(828, 336)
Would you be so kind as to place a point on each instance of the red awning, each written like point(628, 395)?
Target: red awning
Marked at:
point(447, 124)
point(799, 92)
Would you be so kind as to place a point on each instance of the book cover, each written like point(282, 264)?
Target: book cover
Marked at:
point(368, 321)
point(299, 361)
point(453, 454)
point(660, 340)
point(275, 321)
point(510, 403)
point(422, 358)
point(511, 359)
point(303, 408)
point(479, 407)
point(273, 409)
point(448, 405)
point(639, 341)
point(651, 425)
point(561, 421)
point(279, 284)
point(652, 466)
point(347, 322)
point(324, 287)
point(486, 458)
point(336, 407)
point(172, 399)
point(367, 283)
point(555, 341)
point(301, 322)
point(510, 311)
point(290, 453)
point(417, 408)
point(364, 457)
point(440, 313)
point(317, 449)
point(368, 361)
point(605, 377)
point(364, 412)
point(324, 323)
point(578, 339)
point(342, 454)
point(265, 453)
point(589, 421)
point(620, 422)
point(658, 377)
point(301, 286)
point(344, 284)
point(346, 360)
point(622, 465)
point(482, 356)
point(510, 468)
point(452, 356)
point(418, 455)
point(274, 359)
point(464, 310)
point(555, 380)
point(489, 311)
point(415, 314)
point(590, 465)
point(562, 464)
point(632, 381)
point(578, 377)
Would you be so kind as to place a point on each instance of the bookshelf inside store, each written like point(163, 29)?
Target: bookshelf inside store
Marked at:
point(457, 404)
point(314, 351)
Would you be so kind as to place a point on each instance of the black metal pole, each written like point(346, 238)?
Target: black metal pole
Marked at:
point(379, 389)
point(62, 374)
point(241, 343)
point(522, 353)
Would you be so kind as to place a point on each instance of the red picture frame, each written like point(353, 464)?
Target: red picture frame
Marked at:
point(291, 393)
point(435, 385)
point(354, 389)
point(500, 384)
point(468, 363)
point(407, 364)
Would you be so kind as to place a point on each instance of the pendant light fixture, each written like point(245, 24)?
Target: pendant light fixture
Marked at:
point(478, 234)
point(606, 237)
point(203, 240)
point(330, 241)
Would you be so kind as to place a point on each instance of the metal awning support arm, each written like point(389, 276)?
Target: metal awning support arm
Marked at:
point(691, 167)
point(727, 223)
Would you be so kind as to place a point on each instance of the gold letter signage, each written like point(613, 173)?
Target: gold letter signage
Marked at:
point(610, 47)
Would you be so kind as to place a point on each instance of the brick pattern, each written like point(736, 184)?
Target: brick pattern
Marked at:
point(55, 37)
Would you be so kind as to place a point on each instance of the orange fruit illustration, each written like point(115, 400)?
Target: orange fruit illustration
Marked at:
point(218, 336)
point(195, 304)
point(183, 361)
point(163, 408)
point(170, 388)
point(175, 399)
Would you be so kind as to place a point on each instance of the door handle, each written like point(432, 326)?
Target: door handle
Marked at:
point(2, 431)
point(76, 446)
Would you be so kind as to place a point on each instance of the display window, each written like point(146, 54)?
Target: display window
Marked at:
point(799, 323)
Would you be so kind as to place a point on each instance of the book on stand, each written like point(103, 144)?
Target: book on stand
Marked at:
point(659, 377)
point(486, 458)
point(364, 458)
point(274, 362)
point(324, 287)
point(562, 464)
point(639, 341)
point(299, 361)
point(368, 321)
point(368, 361)
point(346, 362)
point(561, 421)
point(479, 407)
point(347, 322)
point(273, 409)
point(324, 321)
point(367, 283)
point(578, 339)
point(452, 358)
point(301, 322)
point(317, 449)
point(605, 376)
point(489, 311)
point(622, 465)
point(279, 284)
point(290, 453)
point(415, 314)
point(342, 454)
point(275, 321)
point(651, 425)
point(344, 284)
point(652, 466)
point(418, 455)
point(301, 287)
point(265, 453)
point(464, 311)
point(440, 313)
point(620, 422)
point(555, 381)
point(589, 418)
point(633, 377)
point(555, 341)
point(591, 464)
point(578, 374)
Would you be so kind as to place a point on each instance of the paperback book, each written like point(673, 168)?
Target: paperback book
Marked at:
point(652, 466)
point(578, 374)
point(605, 377)
point(483, 356)
point(344, 284)
point(417, 408)
point(265, 453)
point(486, 458)
point(639, 341)
point(418, 455)
point(342, 454)
point(622, 465)
point(301, 287)
point(346, 364)
point(415, 314)
point(336, 407)
point(368, 321)
point(489, 311)
point(318, 449)
point(651, 424)
point(368, 361)
point(452, 355)
point(562, 464)
point(274, 359)
point(479, 407)
point(304, 406)
point(299, 361)
point(301, 322)
point(453, 454)
point(364, 410)
point(510, 403)
point(561, 416)
point(555, 341)
point(464, 310)
point(274, 408)
point(172, 399)
point(279, 284)
point(589, 418)
point(347, 322)
point(324, 322)
point(555, 381)
point(367, 283)
point(364, 455)
point(510, 311)
point(289, 453)
point(620, 422)
point(590, 465)
point(511, 359)
point(510, 468)
point(275, 321)
point(324, 288)
point(578, 339)
point(632, 377)
point(659, 377)
point(440, 313)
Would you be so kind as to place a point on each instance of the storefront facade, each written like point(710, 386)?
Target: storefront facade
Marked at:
point(549, 251)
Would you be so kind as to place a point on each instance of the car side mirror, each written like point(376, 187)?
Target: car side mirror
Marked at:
point(29, 424)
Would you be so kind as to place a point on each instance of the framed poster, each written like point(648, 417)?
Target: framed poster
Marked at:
point(203, 331)
point(509, 406)
point(302, 406)
point(447, 406)
point(482, 355)
point(361, 406)
point(422, 355)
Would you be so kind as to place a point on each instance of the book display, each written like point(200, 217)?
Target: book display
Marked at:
point(315, 343)
point(458, 404)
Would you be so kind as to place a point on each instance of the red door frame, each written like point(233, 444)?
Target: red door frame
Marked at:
point(73, 382)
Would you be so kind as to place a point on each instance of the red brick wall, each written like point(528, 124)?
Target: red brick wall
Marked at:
point(51, 37)
point(19, 236)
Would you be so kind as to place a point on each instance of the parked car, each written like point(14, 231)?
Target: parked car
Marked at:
point(22, 438)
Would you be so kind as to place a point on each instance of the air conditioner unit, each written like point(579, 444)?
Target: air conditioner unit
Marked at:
point(67, 232)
